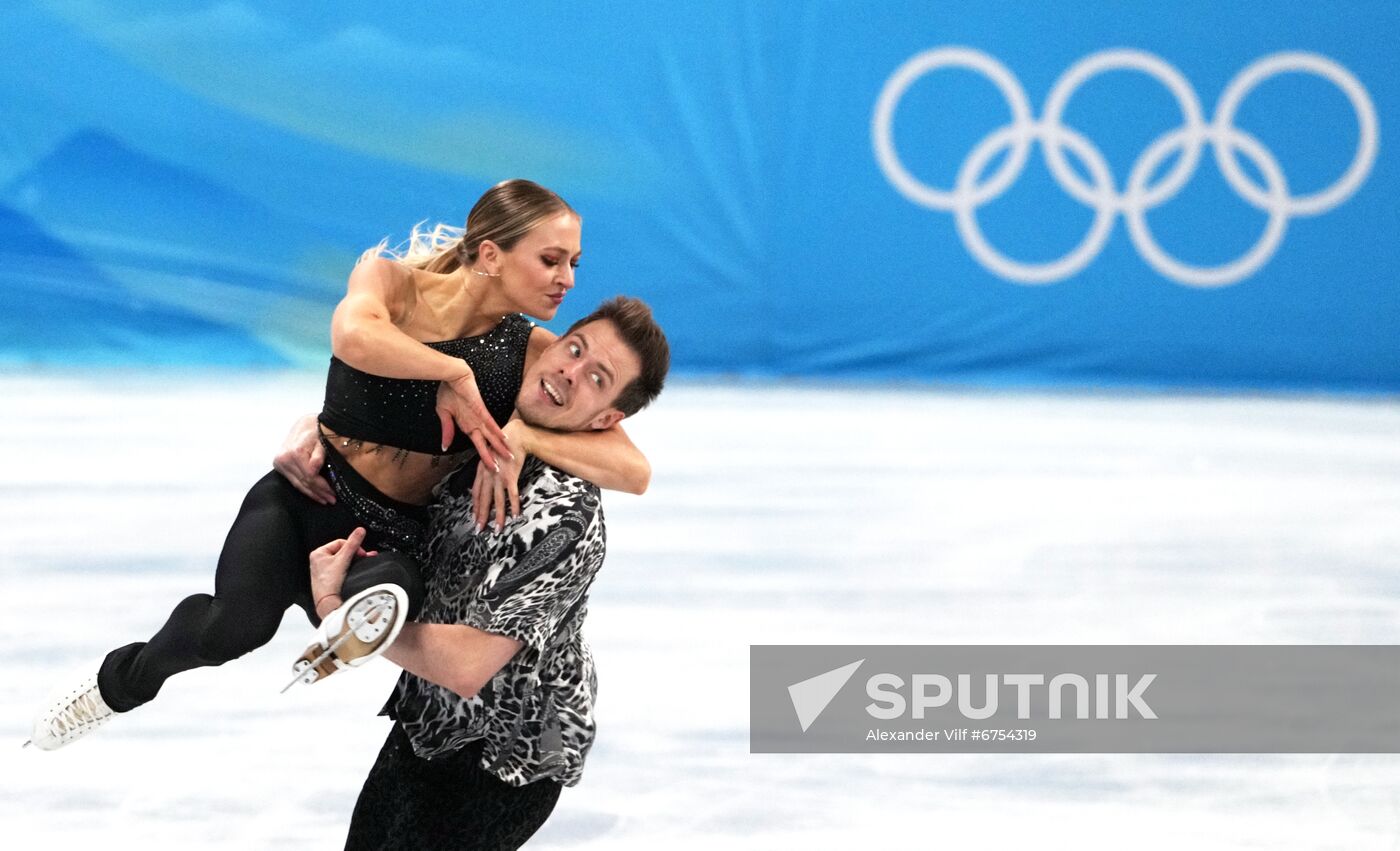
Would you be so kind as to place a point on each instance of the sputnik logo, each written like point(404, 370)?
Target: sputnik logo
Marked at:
point(811, 696)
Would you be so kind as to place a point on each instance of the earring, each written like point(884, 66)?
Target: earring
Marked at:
point(486, 274)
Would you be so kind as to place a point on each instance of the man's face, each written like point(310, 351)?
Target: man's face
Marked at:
point(574, 382)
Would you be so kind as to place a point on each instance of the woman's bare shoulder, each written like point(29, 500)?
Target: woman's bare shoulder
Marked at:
point(384, 281)
point(381, 274)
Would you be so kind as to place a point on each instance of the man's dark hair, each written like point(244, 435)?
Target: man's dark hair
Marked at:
point(634, 323)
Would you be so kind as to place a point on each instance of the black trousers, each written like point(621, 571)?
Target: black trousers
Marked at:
point(263, 570)
point(448, 802)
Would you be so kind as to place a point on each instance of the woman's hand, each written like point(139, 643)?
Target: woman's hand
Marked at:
point(459, 407)
point(497, 494)
point(329, 565)
point(301, 459)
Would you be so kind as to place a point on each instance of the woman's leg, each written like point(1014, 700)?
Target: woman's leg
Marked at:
point(395, 528)
point(391, 567)
point(262, 570)
point(449, 802)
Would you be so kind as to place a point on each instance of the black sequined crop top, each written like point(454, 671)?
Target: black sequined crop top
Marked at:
point(400, 411)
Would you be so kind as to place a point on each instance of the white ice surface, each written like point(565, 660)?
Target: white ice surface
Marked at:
point(777, 515)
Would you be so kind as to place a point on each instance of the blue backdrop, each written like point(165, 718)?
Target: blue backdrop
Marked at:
point(1088, 193)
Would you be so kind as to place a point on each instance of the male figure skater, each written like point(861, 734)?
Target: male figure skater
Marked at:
point(494, 712)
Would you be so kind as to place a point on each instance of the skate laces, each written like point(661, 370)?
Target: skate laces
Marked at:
point(85, 710)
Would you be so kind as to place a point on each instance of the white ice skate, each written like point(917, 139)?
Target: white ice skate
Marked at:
point(360, 629)
point(70, 715)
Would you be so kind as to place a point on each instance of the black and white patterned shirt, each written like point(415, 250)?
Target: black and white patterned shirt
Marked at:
point(529, 582)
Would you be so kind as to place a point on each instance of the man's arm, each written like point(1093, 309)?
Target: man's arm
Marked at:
point(300, 459)
point(457, 657)
point(607, 458)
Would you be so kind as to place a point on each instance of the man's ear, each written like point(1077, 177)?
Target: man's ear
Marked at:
point(607, 419)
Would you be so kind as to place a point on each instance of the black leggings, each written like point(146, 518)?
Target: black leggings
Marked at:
point(447, 802)
point(263, 569)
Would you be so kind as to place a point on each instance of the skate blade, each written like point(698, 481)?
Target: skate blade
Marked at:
point(310, 674)
point(304, 673)
point(306, 670)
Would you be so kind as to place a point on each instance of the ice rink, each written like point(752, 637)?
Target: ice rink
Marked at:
point(777, 514)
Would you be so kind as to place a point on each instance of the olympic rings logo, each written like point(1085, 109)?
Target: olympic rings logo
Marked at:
point(972, 188)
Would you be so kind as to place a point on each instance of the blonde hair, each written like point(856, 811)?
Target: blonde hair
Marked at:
point(503, 214)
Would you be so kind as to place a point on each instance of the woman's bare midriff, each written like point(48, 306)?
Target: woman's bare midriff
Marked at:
point(398, 473)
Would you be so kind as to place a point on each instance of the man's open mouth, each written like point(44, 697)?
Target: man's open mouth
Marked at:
point(551, 392)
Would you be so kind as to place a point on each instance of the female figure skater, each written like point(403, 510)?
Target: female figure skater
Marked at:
point(427, 355)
